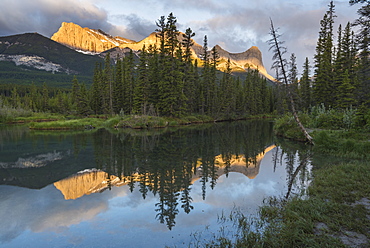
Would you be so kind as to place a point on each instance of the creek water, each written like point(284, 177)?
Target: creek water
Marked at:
point(140, 188)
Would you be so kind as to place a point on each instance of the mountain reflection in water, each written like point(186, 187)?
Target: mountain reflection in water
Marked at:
point(96, 181)
point(160, 175)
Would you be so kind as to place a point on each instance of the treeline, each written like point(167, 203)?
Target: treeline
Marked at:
point(36, 98)
point(341, 78)
point(166, 80)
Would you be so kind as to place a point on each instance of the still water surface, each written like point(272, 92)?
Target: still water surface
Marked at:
point(137, 188)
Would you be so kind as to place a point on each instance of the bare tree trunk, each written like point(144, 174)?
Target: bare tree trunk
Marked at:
point(281, 63)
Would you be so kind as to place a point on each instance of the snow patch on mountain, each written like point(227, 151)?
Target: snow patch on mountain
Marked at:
point(34, 61)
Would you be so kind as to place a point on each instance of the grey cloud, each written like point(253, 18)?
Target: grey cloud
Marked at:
point(136, 28)
point(243, 25)
point(45, 17)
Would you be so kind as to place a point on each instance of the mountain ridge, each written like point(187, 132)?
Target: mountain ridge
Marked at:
point(32, 57)
point(90, 40)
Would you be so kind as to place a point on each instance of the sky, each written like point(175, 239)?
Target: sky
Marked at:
point(235, 25)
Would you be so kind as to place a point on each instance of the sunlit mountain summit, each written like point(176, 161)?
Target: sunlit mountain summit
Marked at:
point(91, 41)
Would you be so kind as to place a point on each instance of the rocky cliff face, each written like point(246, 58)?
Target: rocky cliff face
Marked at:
point(250, 59)
point(96, 41)
point(86, 39)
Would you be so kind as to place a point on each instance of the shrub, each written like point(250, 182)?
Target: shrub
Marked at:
point(287, 126)
point(333, 143)
point(8, 114)
point(334, 119)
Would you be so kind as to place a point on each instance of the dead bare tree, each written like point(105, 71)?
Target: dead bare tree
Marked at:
point(280, 64)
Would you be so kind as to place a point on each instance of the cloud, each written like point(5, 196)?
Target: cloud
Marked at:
point(235, 25)
point(135, 28)
point(239, 25)
point(45, 17)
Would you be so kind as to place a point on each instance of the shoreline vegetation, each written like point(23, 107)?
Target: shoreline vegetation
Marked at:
point(335, 211)
point(165, 81)
point(45, 121)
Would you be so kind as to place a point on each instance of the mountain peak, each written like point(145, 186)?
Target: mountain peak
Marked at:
point(97, 41)
point(86, 39)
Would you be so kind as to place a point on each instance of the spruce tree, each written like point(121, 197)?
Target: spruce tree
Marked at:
point(187, 43)
point(171, 35)
point(214, 61)
point(324, 73)
point(154, 77)
point(206, 89)
point(83, 107)
point(293, 79)
point(142, 87)
point(118, 87)
point(15, 99)
point(75, 91)
point(108, 86)
point(346, 97)
point(305, 86)
point(128, 75)
point(45, 98)
point(363, 40)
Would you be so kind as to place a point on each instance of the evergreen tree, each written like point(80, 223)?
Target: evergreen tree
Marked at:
point(161, 34)
point(324, 73)
point(83, 107)
point(33, 98)
point(305, 86)
point(98, 90)
point(226, 90)
point(45, 98)
point(128, 78)
point(363, 40)
point(154, 78)
point(187, 43)
point(142, 87)
point(207, 89)
point(171, 34)
point(293, 77)
point(75, 91)
point(344, 64)
point(15, 98)
point(108, 86)
point(214, 60)
point(118, 87)
point(346, 97)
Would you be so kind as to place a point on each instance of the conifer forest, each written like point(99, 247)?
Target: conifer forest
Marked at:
point(167, 80)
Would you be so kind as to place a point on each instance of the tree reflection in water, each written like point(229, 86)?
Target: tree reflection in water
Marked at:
point(167, 163)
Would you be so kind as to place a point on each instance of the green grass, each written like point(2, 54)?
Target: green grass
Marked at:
point(8, 114)
point(354, 144)
point(286, 126)
point(332, 194)
point(129, 121)
point(332, 209)
point(76, 124)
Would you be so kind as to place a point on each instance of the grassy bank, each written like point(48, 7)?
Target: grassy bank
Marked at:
point(128, 121)
point(336, 211)
point(335, 214)
point(343, 133)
